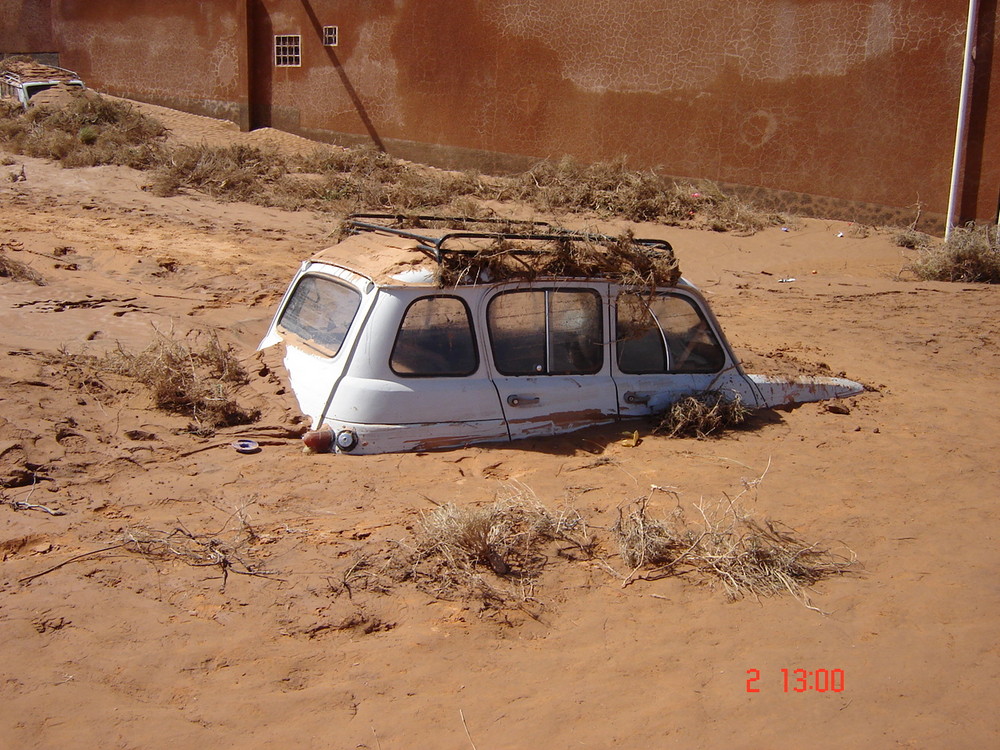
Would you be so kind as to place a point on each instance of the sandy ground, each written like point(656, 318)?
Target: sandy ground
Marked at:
point(121, 650)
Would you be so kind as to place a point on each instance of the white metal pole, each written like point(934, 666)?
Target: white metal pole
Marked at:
point(963, 116)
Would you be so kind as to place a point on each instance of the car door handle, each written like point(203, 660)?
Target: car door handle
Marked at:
point(515, 400)
point(636, 398)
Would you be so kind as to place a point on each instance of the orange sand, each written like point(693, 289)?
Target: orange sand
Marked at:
point(116, 650)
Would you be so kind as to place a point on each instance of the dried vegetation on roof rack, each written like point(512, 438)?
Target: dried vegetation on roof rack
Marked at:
point(619, 259)
point(471, 250)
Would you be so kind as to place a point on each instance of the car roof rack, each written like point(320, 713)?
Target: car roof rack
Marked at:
point(19, 73)
point(434, 244)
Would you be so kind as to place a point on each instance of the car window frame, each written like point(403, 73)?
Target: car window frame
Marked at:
point(599, 318)
point(472, 338)
point(664, 337)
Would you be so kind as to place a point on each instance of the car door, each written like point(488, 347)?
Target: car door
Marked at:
point(667, 346)
point(550, 357)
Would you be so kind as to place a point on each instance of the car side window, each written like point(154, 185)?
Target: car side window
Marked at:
point(546, 332)
point(435, 339)
point(666, 333)
point(319, 312)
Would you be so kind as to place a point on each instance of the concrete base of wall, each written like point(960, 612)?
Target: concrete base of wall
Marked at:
point(219, 110)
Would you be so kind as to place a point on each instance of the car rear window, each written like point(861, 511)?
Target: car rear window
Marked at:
point(665, 334)
point(435, 339)
point(320, 312)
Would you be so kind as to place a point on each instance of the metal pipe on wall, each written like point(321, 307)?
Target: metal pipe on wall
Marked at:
point(963, 116)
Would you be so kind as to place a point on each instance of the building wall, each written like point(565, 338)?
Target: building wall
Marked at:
point(840, 108)
point(190, 56)
point(834, 107)
point(25, 26)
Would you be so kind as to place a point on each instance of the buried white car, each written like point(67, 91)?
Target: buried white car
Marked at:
point(412, 334)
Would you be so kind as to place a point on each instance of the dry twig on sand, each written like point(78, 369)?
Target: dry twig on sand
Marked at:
point(25, 505)
point(230, 556)
point(15, 269)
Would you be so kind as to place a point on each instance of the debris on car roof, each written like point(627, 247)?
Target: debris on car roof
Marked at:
point(470, 251)
point(29, 82)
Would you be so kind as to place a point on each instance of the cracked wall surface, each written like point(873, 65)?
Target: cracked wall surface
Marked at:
point(170, 53)
point(851, 103)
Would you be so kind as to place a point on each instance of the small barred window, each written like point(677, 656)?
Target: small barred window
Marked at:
point(288, 51)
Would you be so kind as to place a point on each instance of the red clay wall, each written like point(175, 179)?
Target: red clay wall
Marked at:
point(841, 108)
point(25, 26)
point(187, 55)
point(807, 98)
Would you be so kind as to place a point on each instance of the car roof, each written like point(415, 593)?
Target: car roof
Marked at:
point(378, 257)
point(397, 250)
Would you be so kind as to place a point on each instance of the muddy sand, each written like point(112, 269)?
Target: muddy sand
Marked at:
point(103, 646)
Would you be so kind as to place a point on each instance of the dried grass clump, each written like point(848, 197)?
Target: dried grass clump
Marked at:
point(491, 552)
point(725, 545)
point(912, 239)
point(237, 173)
point(495, 553)
point(611, 188)
point(15, 269)
point(645, 541)
point(9, 109)
point(11, 62)
point(91, 130)
point(703, 415)
point(396, 189)
point(342, 178)
point(619, 259)
point(180, 377)
point(971, 254)
point(186, 380)
point(606, 187)
point(86, 131)
point(726, 213)
point(363, 161)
